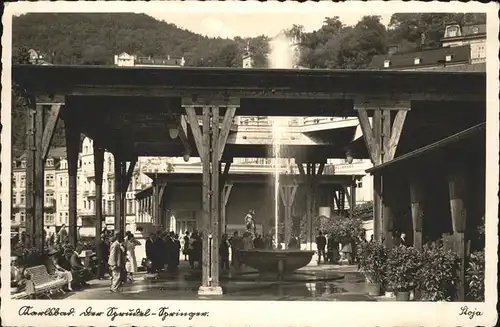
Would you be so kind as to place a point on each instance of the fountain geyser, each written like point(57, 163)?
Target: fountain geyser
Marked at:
point(283, 55)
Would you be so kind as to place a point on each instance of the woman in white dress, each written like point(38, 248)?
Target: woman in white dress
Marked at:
point(131, 265)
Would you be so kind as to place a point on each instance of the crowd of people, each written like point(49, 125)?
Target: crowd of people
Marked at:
point(163, 250)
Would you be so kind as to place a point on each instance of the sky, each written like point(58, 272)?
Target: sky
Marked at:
point(229, 25)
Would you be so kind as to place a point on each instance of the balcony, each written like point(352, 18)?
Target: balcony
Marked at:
point(89, 173)
point(86, 212)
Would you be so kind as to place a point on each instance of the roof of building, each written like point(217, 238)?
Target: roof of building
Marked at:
point(470, 30)
point(480, 67)
point(453, 139)
point(58, 152)
point(430, 57)
point(158, 61)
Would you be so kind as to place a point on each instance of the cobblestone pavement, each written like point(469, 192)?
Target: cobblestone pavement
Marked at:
point(312, 283)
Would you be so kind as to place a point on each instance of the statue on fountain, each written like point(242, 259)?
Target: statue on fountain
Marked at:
point(250, 222)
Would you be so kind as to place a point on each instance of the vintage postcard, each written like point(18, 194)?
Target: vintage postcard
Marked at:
point(249, 163)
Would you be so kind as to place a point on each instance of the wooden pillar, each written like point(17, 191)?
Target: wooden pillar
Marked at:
point(226, 192)
point(118, 194)
point(381, 142)
point(417, 210)
point(30, 170)
point(39, 178)
point(210, 145)
point(153, 202)
point(388, 210)
point(352, 199)
point(457, 189)
point(215, 199)
point(205, 159)
point(72, 147)
point(310, 176)
point(98, 172)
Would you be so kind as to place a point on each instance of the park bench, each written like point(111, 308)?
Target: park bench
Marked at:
point(45, 284)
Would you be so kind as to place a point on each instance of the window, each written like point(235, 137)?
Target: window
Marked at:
point(110, 210)
point(449, 57)
point(110, 186)
point(14, 181)
point(60, 222)
point(50, 162)
point(14, 198)
point(49, 218)
point(65, 200)
point(23, 181)
point(49, 198)
point(416, 61)
point(23, 164)
point(66, 218)
point(22, 198)
point(60, 181)
point(23, 216)
point(130, 206)
point(49, 180)
point(387, 63)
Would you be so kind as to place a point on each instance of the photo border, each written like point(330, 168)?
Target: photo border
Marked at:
point(266, 313)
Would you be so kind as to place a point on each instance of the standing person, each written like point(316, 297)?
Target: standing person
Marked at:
point(177, 244)
point(115, 263)
point(321, 244)
point(131, 266)
point(62, 235)
point(151, 253)
point(236, 246)
point(102, 252)
point(185, 245)
point(224, 253)
point(191, 248)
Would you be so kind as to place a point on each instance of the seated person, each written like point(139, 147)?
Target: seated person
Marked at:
point(80, 274)
point(54, 269)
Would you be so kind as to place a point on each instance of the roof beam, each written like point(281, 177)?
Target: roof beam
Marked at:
point(153, 91)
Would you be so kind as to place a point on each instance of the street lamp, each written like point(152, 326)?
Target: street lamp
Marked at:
point(348, 156)
point(186, 156)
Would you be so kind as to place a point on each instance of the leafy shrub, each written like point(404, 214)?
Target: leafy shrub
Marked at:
point(372, 260)
point(346, 230)
point(28, 256)
point(403, 264)
point(438, 275)
point(474, 276)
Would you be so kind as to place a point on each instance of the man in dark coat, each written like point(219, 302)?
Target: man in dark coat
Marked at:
point(102, 253)
point(321, 244)
point(151, 253)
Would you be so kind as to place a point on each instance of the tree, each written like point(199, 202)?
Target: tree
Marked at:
point(21, 56)
point(96, 55)
point(360, 44)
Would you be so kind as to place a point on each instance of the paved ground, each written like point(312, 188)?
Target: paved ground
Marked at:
point(313, 283)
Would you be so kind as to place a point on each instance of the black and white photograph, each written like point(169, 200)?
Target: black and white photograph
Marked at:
point(216, 159)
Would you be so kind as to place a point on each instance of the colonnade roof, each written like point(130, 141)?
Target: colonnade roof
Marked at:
point(128, 109)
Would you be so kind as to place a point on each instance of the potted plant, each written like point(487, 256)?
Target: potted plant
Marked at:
point(475, 276)
point(372, 260)
point(403, 264)
point(438, 276)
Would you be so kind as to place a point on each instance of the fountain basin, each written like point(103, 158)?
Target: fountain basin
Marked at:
point(279, 262)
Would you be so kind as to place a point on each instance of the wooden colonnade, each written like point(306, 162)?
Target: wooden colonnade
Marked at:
point(41, 124)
